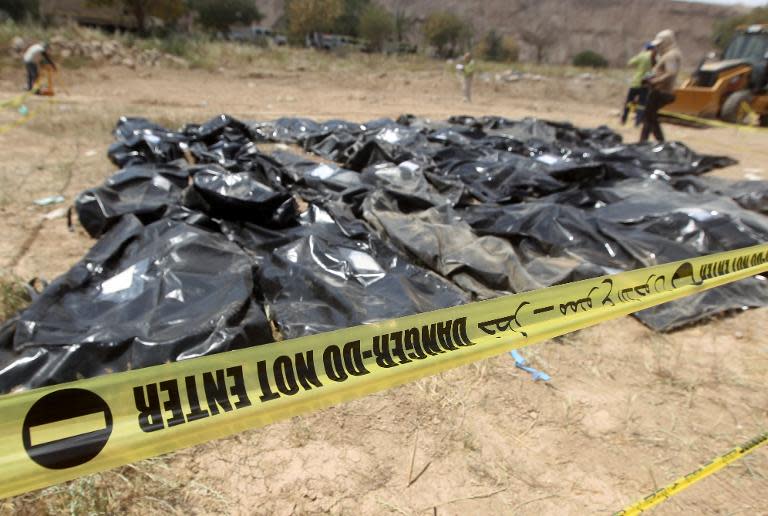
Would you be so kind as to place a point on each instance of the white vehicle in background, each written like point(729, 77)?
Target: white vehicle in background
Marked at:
point(326, 41)
point(261, 36)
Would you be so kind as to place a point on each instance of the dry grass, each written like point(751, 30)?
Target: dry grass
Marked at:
point(13, 295)
point(147, 487)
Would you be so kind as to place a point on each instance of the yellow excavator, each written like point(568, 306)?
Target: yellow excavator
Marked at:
point(734, 88)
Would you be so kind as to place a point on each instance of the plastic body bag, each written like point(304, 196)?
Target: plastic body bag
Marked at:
point(207, 244)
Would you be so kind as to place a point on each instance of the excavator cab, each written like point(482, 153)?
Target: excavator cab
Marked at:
point(732, 88)
point(751, 46)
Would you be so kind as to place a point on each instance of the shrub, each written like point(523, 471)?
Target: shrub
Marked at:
point(166, 10)
point(446, 32)
point(20, 10)
point(590, 58)
point(307, 16)
point(348, 21)
point(219, 15)
point(376, 25)
point(495, 47)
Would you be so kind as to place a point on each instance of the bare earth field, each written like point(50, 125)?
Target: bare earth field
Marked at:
point(627, 410)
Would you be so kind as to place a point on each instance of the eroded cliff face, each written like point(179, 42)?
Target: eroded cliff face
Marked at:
point(614, 28)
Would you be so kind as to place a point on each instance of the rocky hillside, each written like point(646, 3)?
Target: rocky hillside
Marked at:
point(614, 28)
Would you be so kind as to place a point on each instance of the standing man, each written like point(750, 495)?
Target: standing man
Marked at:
point(33, 57)
point(661, 83)
point(638, 94)
point(466, 69)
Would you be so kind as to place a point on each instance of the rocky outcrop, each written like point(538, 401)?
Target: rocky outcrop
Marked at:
point(614, 28)
point(109, 51)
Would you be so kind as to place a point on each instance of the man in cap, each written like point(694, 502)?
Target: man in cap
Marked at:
point(33, 57)
point(661, 83)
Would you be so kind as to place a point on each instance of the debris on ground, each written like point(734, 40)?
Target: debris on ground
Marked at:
point(47, 201)
point(522, 363)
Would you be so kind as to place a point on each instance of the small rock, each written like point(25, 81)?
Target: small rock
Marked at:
point(56, 214)
point(178, 61)
point(738, 335)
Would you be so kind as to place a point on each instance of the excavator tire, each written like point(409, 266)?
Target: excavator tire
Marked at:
point(732, 110)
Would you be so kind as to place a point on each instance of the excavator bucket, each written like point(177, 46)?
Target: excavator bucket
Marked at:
point(695, 101)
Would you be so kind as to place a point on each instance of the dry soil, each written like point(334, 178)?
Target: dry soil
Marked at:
point(627, 409)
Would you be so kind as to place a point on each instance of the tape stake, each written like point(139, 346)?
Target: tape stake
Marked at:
point(687, 481)
point(57, 433)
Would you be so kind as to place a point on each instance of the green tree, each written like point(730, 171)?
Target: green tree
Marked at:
point(220, 15)
point(446, 32)
point(403, 24)
point(590, 58)
point(541, 38)
point(495, 47)
point(18, 10)
point(166, 10)
point(306, 16)
point(725, 29)
point(348, 22)
point(377, 25)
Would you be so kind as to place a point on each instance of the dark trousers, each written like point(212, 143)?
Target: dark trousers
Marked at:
point(639, 96)
point(31, 75)
point(656, 101)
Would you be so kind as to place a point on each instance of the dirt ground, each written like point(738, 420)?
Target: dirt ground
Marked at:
point(627, 410)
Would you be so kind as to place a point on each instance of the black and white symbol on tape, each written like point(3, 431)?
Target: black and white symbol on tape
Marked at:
point(66, 428)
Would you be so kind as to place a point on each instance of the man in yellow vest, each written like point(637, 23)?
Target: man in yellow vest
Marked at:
point(466, 71)
point(638, 92)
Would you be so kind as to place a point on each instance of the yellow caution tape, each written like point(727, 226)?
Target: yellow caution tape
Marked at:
point(19, 99)
point(704, 471)
point(29, 115)
point(58, 433)
point(17, 102)
point(18, 122)
point(712, 123)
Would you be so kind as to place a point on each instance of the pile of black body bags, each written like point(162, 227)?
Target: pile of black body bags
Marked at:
point(207, 243)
